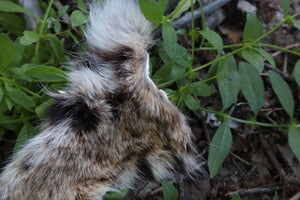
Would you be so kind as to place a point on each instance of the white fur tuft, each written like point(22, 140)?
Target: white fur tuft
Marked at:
point(117, 23)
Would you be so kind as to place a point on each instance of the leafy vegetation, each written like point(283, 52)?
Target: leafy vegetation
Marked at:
point(29, 63)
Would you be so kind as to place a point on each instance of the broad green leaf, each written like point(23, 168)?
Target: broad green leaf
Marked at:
point(191, 102)
point(212, 72)
point(115, 195)
point(228, 81)
point(18, 53)
point(24, 135)
point(235, 197)
point(46, 73)
point(13, 23)
point(294, 140)
point(78, 18)
point(19, 73)
point(283, 92)
point(169, 191)
point(219, 148)
point(81, 5)
point(29, 37)
point(254, 58)
point(6, 51)
point(1, 93)
point(57, 26)
point(9, 102)
point(8, 6)
point(296, 72)
point(163, 73)
point(285, 7)
point(296, 23)
point(151, 10)
point(19, 97)
point(63, 10)
point(267, 56)
point(213, 38)
point(41, 109)
point(185, 5)
point(253, 28)
point(57, 47)
point(199, 89)
point(252, 86)
point(170, 40)
point(162, 4)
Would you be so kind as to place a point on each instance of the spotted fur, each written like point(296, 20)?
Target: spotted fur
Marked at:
point(111, 128)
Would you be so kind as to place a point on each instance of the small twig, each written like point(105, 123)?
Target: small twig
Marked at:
point(253, 191)
point(287, 47)
point(240, 159)
point(187, 18)
point(271, 156)
point(296, 197)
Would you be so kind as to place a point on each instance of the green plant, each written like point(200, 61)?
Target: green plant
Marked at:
point(178, 70)
point(28, 65)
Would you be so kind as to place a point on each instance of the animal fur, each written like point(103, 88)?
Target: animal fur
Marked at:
point(111, 128)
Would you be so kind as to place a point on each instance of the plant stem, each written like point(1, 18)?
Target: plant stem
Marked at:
point(279, 48)
point(43, 25)
point(245, 121)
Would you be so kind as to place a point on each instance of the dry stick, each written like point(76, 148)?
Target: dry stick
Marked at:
point(271, 156)
point(253, 191)
point(296, 197)
point(187, 18)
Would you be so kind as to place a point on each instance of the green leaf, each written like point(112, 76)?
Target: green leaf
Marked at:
point(78, 18)
point(18, 53)
point(254, 58)
point(267, 56)
point(81, 5)
point(213, 38)
point(296, 72)
point(115, 195)
point(199, 89)
point(46, 73)
point(219, 148)
point(182, 9)
point(283, 92)
point(191, 102)
point(29, 37)
point(19, 73)
point(41, 109)
point(170, 40)
point(252, 86)
point(6, 51)
point(294, 140)
point(1, 93)
point(57, 47)
point(13, 23)
point(63, 10)
point(151, 10)
point(169, 191)
point(253, 28)
point(162, 4)
point(19, 97)
point(57, 26)
point(228, 81)
point(212, 72)
point(235, 197)
point(8, 6)
point(24, 135)
point(9, 102)
point(285, 7)
point(296, 23)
